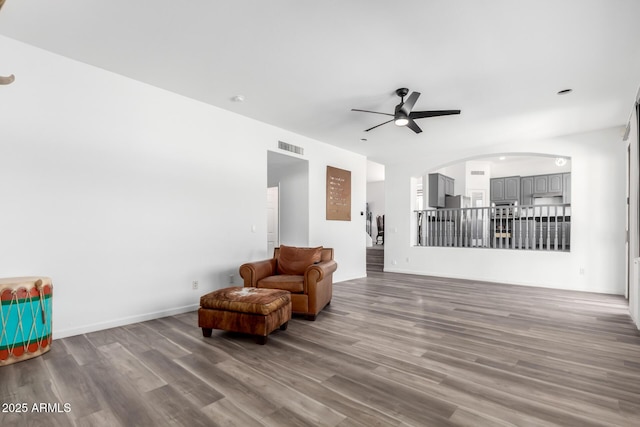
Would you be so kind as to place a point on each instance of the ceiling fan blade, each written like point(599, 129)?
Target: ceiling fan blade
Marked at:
point(414, 126)
point(423, 114)
point(374, 112)
point(407, 106)
point(367, 130)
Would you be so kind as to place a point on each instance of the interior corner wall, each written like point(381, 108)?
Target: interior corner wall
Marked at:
point(124, 193)
point(597, 223)
point(634, 220)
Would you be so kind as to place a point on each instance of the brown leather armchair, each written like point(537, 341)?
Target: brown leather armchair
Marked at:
point(305, 272)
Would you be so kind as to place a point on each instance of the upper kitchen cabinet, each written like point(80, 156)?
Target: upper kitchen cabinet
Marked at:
point(566, 188)
point(439, 187)
point(497, 189)
point(526, 190)
point(548, 184)
point(449, 184)
point(555, 183)
point(505, 189)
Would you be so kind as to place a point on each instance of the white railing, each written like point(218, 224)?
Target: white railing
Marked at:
point(531, 227)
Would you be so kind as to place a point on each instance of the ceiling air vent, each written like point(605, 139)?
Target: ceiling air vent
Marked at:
point(477, 172)
point(290, 147)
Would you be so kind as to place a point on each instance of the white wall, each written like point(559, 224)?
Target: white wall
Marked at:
point(292, 178)
point(124, 193)
point(597, 223)
point(479, 182)
point(528, 167)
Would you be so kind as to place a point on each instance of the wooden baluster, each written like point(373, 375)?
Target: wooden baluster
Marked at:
point(446, 225)
point(548, 236)
point(445, 230)
point(464, 226)
point(526, 226)
point(419, 221)
point(555, 210)
point(439, 222)
point(435, 228)
point(519, 232)
point(500, 226)
point(495, 221)
point(511, 222)
point(429, 228)
point(564, 231)
point(473, 235)
point(536, 241)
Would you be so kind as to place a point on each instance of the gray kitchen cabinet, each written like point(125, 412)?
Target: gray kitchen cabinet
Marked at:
point(526, 190)
point(512, 188)
point(548, 184)
point(449, 184)
point(497, 189)
point(439, 187)
point(505, 189)
point(555, 183)
point(540, 184)
point(566, 188)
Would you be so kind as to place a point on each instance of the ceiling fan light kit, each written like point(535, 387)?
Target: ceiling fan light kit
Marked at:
point(404, 116)
point(401, 121)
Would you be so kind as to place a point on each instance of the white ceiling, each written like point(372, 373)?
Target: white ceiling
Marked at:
point(302, 65)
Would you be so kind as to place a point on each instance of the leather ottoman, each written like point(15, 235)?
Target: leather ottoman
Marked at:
point(254, 311)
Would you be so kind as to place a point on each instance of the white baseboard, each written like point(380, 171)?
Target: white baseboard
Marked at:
point(122, 321)
point(497, 280)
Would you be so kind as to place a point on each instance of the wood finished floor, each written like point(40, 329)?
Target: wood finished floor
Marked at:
point(390, 350)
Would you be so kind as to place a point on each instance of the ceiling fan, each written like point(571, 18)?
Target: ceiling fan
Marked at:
point(403, 116)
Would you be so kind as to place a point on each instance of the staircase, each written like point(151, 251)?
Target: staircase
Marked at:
point(375, 258)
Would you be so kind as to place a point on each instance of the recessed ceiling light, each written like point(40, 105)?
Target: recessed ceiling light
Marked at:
point(238, 98)
point(561, 161)
point(363, 139)
point(564, 91)
point(502, 157)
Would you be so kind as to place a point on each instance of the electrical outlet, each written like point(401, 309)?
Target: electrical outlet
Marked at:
point(194, 285)
point(582, 271)
point(231, 279)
